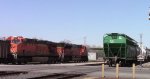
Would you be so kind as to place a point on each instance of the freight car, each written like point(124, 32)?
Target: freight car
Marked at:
point(147, 56)
point(120, 48)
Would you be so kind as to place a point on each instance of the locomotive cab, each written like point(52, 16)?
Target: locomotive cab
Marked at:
point(14, 42)
point(17, 40)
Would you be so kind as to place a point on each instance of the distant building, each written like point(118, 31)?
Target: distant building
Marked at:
point(95, 54)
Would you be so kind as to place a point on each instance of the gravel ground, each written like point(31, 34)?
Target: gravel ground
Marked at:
point(71, 71)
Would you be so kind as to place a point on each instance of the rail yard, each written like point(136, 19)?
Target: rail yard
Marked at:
point(74, 39)
point(26, 58)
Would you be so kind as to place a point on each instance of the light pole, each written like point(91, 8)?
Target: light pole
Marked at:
point(141, 48)
point(84, 38)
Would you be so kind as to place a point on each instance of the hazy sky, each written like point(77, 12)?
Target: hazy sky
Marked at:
point(57, 20)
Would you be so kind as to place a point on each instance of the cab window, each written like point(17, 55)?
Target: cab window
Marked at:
point(16, 41)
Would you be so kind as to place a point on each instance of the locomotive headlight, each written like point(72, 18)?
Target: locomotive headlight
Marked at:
point(111, 41)
point(120, 37)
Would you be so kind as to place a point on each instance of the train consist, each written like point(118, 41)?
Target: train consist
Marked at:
point(118, 48)
point(22, 50)
point(122, 49)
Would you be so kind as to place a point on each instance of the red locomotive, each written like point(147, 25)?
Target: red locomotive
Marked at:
point(33, 50)
point(72, 52)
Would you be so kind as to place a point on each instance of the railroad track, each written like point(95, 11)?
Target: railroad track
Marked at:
point(7, 73)
point(35, 75)
point(41, 73)
point(58, 76)
point(67, 75)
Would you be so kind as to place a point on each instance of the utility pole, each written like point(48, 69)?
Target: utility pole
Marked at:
point(141, 40)
point(149, 15)
point(84, 39)
point(141, 56)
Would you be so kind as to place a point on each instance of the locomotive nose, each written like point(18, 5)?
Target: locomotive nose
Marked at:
point(13, 48)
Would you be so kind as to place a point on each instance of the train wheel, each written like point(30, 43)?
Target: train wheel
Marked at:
point(110, 63)
point(122, 63)
point(19, 62)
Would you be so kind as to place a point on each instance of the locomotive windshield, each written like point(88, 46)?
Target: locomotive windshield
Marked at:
point(114, 37)
point(16, 41)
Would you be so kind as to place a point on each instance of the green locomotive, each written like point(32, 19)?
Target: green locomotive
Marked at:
point(120, 48)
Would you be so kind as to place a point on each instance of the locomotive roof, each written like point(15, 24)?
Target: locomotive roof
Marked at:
point(38, 41)
point(68, 44)
point(4, 41)
point(126, 36)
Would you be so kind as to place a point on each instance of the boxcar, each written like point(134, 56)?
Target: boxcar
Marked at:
point(120, 48)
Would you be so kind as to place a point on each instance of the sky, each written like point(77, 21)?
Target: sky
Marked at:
point(73, 20)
